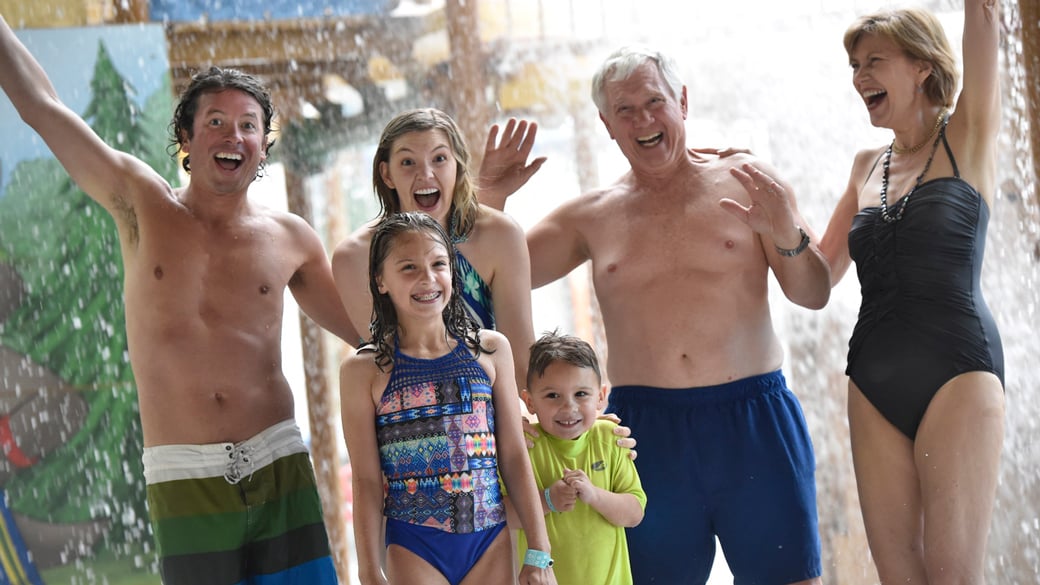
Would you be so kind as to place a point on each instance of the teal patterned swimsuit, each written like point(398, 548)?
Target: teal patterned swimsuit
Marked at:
point(475, 293)
point(435, 428)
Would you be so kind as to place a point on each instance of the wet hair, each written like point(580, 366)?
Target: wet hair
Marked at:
point(552, 347)
point(384, 315)
point(920, 36)
point(464, 205)
point(622, 62)
point(215, 80)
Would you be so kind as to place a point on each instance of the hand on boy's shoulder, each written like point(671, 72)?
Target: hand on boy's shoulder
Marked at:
point(624, 439)
point(624, 434)
point(531, 432)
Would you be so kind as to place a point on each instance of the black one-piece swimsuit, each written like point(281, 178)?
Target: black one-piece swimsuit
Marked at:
point(923, 319)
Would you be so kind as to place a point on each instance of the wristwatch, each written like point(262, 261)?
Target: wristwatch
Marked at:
point(802, 245)
point(537, 558)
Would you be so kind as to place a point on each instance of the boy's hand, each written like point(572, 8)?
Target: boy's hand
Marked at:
point(580, 483)
point(625, 440)
point(563, 496)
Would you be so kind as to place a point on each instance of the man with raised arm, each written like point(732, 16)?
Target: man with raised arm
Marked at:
point(231, 489)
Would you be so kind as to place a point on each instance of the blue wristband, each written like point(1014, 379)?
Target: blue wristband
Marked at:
point(548, 501)
point(538, 558)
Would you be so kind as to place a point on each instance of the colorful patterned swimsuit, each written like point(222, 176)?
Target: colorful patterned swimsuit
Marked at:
point(476, 294)
point(435, 429)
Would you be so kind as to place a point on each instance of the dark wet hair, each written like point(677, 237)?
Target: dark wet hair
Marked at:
point(217, 79)
point(384, 316)
point(921, 36)
point(464, 205)
point(552, 347)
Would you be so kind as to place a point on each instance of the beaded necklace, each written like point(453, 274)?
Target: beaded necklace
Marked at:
point(884, 178)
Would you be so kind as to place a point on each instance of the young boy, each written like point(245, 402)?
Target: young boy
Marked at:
point(590, 489)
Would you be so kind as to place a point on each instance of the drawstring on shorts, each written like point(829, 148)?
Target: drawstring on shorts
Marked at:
point(240, 463)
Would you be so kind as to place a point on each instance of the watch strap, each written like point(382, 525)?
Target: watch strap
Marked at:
point(538, 558)
point(792, 252)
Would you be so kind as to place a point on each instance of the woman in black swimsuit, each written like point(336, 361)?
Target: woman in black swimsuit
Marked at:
point(925, 365)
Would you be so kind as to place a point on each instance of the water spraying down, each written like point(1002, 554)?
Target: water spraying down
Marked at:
point(768, 76)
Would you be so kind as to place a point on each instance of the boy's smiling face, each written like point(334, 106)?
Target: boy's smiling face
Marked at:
point(566, 398)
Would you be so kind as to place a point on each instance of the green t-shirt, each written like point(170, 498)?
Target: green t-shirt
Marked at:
point(586, 548)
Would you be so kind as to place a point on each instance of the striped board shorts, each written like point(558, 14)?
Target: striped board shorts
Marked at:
point(238, 513)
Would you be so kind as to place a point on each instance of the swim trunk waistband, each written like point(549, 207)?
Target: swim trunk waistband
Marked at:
point(700, 395)
point(231, 460)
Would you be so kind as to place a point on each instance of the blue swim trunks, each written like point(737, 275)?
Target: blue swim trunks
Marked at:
point(733, 461)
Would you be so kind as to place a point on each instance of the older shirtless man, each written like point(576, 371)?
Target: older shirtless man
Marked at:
point(230, 485)
point(695, 363)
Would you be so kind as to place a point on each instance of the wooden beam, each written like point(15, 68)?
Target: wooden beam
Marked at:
point(283, 41)
point(322, 413)
point(468, 81)
point(1029, 17)
point(130, 11)
point(291, 56)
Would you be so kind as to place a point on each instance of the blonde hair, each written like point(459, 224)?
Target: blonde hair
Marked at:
point(464, 205)
point(921, 36)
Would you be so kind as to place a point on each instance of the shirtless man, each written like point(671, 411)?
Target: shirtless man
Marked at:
point(205, 273)
point(682, 283)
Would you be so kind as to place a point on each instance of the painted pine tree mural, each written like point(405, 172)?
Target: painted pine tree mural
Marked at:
point(65, 250)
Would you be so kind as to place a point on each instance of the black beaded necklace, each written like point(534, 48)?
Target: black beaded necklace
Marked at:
point(884, 178)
